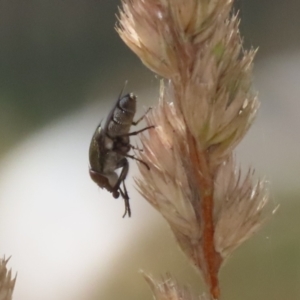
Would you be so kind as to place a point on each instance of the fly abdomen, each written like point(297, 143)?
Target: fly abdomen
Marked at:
point(122, 116)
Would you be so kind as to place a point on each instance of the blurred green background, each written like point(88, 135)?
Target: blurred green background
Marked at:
point(54, 53)
point(57, 56)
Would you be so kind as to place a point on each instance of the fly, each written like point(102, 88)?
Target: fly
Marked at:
point(109, 148)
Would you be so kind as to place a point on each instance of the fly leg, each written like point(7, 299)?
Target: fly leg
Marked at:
point(136, 148)
point(137, 132)
point(139, 160)
point(142, 117)
point(123, 163)
point(126, 200)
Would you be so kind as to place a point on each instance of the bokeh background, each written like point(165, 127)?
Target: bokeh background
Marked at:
point(61, 67)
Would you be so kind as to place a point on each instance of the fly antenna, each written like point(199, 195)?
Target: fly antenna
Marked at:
point(100, 123)
point(122, 90)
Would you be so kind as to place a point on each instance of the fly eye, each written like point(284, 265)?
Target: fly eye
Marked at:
point(116, 194)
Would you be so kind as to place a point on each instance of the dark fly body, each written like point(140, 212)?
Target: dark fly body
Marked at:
point(110, 146)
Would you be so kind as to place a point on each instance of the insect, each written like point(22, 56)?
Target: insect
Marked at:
point(110, 145)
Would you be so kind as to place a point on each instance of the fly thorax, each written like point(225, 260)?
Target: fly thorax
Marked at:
point(122, 149)
point(122, 140)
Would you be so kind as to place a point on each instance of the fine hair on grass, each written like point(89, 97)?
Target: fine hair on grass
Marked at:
point(206, 107)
